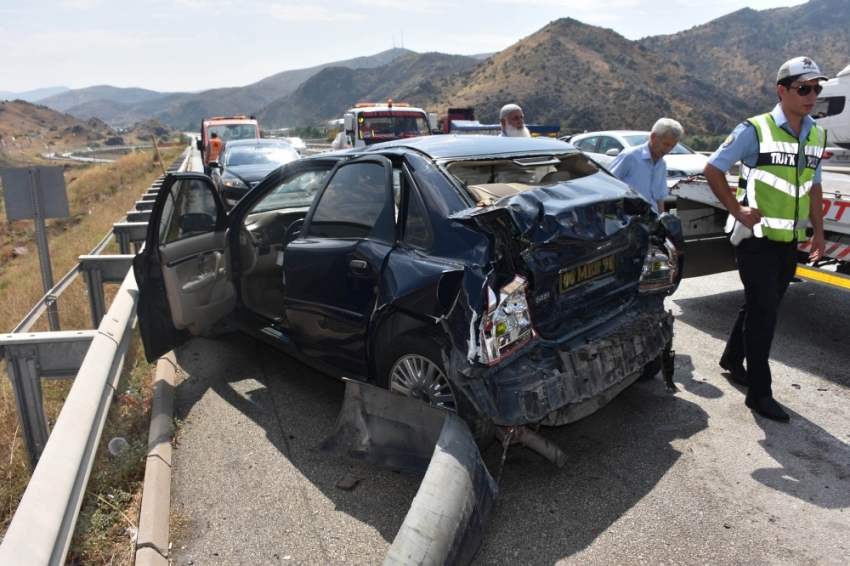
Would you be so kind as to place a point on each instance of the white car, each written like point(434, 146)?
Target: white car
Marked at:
point(296, 143)
point(837, 157)
point(603, 147)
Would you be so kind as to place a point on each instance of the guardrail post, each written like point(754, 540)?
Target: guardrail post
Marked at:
point(100, 269)
point(93, 275)
point(23, 369)
point(123, 241)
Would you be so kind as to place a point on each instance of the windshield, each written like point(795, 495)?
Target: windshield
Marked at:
point(234, 132)
point(385, 125)
point(643, 138)
point(260, 156)
point(296, 191)
point(488, 180)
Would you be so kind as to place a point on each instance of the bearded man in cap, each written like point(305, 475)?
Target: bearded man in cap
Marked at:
point(513, 122)
point(779, 195)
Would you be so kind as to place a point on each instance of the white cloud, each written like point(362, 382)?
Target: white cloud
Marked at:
point(216, 6)
point(583, 5)
point(80, 4)
point(405, 6)
point(306, 13)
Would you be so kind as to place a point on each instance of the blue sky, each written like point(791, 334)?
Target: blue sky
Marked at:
point(190, 45)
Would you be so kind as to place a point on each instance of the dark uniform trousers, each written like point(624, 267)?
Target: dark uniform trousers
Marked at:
point(766, 268)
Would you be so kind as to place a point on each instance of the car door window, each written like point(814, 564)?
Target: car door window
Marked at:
point(296, 191)
point(608, 143)
point(190, 211)
point(415, 228)
point(351, 203)
point(587, 144)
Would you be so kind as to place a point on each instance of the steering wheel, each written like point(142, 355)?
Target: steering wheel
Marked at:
point(292, 231)
point(247, 251)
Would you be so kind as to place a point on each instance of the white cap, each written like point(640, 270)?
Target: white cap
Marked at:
point(800, 69)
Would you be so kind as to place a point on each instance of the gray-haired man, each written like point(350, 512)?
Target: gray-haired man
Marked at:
point(642, 166)
point(513, 122)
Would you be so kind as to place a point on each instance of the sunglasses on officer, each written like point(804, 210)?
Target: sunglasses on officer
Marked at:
point(804, 90)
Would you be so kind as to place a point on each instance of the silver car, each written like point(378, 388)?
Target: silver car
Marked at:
point(603, 147)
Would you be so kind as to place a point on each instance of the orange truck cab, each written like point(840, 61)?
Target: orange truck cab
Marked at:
point(227, 129)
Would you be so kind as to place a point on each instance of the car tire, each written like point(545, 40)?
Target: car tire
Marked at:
point(413, 366)
point(651, 369)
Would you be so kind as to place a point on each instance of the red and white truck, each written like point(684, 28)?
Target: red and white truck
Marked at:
point(709, 251)
point(368, 123)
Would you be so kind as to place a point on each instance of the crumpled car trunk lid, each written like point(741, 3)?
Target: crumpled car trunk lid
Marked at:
point(582, 248)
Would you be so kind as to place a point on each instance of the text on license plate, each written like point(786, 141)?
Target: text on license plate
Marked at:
point(587, 272)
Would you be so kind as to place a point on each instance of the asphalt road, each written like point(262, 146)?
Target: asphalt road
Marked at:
point(653, 478)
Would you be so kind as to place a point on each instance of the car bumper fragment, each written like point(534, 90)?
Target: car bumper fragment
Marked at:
point(452, 509)
point(579, 380)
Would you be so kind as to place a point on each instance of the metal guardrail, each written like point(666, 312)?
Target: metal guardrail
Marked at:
point(42, 527)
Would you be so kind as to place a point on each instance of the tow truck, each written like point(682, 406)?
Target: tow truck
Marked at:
point(367, 123)
point(709, 250)
point(227, 128)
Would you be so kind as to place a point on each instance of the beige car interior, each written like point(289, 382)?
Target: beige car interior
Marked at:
point(196, 280)
point(262, 240)
point(492, 180)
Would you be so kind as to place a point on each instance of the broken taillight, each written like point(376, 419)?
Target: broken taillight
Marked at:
point(507, 323)
point(660, 268)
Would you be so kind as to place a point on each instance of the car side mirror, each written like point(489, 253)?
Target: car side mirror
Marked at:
point(432, 121)
point(199, 145)
point(613, 152)
point(196, 222)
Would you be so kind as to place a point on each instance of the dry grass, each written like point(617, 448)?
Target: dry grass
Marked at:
point(98, 197)
point(109, 517)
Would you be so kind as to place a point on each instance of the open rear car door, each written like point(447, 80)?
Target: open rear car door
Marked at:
point(183, 271)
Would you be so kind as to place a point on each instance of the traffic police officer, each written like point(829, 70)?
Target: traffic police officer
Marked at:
point(778, 190)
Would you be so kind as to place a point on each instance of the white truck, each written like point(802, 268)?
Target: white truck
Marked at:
point(832, 110)
point(368, 123)
point(708, 248)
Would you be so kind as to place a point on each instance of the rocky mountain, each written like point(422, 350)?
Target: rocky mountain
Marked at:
point(32, 95)
point(579, 76)
point(584, 77)
point(185, 110)
point(741, 52)
point(66, 100)
point(328, 94)
point(25, 126)
point(142, 132)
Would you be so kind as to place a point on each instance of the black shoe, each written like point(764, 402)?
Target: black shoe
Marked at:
point(736, 371)
point(767, 407)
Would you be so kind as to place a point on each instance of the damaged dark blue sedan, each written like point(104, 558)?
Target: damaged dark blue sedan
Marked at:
point(510, 280)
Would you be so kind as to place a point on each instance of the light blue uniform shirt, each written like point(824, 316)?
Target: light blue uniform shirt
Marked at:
point(743, 144)
point(634, 167)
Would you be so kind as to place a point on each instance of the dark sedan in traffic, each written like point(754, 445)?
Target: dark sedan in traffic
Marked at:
point(244, 163)
point(510, 280)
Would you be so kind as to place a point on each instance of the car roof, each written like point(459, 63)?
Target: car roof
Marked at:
point(258, 142)
point(611, 133)
point(446, 146)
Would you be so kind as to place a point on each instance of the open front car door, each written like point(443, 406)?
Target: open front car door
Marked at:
point(183, 272)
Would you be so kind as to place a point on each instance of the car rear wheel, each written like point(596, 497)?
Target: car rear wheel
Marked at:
point(413, 366)
point(416, 370)
point(651, 369)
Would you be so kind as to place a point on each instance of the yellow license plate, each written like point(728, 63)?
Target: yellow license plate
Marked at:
point(590, 271)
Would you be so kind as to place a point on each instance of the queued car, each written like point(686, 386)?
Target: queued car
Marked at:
point(836, 157)
point(244, 163)
point(295, 143)
point(682, 161)
point(511, 280)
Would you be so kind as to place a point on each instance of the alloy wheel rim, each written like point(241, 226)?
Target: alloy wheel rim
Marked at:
point(419, 378)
